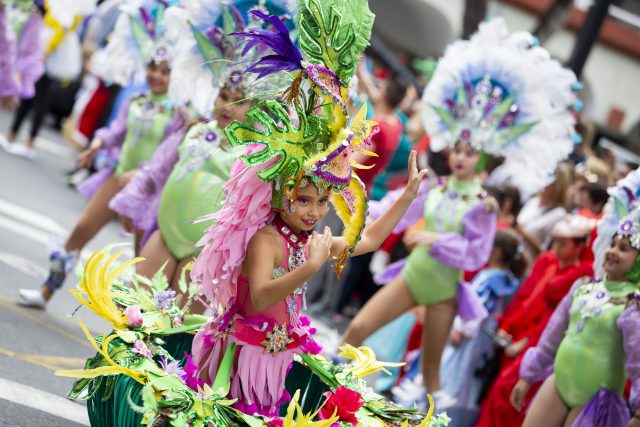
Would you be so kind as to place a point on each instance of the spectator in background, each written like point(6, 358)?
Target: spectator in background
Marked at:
point(508, 198)
point(542, 212)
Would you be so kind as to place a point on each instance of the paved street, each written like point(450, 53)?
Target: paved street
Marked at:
point(35, 204)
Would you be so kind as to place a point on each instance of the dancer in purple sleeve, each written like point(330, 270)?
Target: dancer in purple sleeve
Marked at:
point(481, 101)
point(591, 344)
point(143, 124)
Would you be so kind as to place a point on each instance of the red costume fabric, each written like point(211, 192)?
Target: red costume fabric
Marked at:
point(526, 317)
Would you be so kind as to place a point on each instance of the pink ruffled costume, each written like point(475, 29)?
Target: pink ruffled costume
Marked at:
point(266, 340)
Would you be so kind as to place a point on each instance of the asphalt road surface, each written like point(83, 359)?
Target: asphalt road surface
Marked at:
point(35, 205)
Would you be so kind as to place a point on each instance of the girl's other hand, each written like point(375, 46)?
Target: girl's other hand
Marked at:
point(127, 224)
point(320, 248)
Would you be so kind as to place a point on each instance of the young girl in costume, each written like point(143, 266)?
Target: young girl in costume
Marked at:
point(481, 101)
point(141, 126)
point(590, 344)
point(184, 181)
point(259, 255)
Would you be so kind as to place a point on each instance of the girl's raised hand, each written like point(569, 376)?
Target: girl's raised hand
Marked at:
point(320, 248)
point(415, 176)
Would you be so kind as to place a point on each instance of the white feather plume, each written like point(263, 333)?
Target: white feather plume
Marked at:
point(544, 94)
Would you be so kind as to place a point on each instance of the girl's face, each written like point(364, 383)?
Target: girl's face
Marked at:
point(463, 161)
point(229, 106)
point(158, 77)
point(308, 209)
point(619, 258)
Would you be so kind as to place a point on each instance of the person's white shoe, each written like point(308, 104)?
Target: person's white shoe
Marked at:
point(4, 142)
point(32, 298)
point(410, 392)
point(22, 150)
point(443, 400)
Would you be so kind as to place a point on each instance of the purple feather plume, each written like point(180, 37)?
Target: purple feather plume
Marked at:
point(286, 56)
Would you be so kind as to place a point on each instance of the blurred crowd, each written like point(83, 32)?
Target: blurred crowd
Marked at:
point(542, 244)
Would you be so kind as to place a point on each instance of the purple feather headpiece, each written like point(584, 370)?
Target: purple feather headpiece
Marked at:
point(286, 56)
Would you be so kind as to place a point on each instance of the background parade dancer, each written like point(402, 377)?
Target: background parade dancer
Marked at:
point(141, 126)
point(184, 181)
point(480, 102)
point(600, 314)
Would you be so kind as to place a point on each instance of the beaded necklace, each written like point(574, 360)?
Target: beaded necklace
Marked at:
point(296, 243)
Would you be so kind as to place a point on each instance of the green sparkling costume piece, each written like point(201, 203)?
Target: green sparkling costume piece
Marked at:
point(429, 280)
point(194, 188)
point(147, 120)
point(590, 356)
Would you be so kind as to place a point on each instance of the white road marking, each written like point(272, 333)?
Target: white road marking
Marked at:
point(23, 265)
point(23, 230)
point(62, 150)
point(30, 217)
point(43, 401)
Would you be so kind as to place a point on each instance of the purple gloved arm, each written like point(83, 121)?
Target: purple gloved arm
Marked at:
point(414, 212)
point(470, 250)
point(139, 200)
point(628, 324)
point(537, 363)
point(30, 59)
point(113, 135)
point(9, 85)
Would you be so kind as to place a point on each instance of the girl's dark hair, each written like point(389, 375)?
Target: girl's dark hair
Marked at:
point(511, 252)
point(503, 192)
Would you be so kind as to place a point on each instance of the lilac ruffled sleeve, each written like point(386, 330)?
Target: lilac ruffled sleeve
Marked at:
point(413, 214)
point(30, 59)
point(471, 249)
point(628, 324)
point(537, 363)
point(139, 200)
point(9, 85)
point(113, 135)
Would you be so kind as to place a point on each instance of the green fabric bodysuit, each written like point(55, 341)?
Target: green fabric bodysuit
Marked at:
point(194, 188)
point(593, 342)
point(429, 280)
point(147, 120)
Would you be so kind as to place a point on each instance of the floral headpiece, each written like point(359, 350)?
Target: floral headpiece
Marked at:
point(206, 57)
point(504, 95)
point(621, 217)
point(138, 38)
point(629, 227)
point(307, 132)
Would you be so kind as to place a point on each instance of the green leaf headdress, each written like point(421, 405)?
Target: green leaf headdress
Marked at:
point(307, 134)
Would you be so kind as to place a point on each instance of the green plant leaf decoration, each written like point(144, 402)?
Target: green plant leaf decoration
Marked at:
point(286, 146)
point(333, 33)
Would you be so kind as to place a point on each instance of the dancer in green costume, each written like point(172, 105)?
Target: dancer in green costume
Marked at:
point(591, 345)
point(182, 183)
point(484, 99)
point(142, 125)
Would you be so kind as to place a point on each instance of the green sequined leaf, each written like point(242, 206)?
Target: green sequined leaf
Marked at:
point(333, 33)
point(286, 146)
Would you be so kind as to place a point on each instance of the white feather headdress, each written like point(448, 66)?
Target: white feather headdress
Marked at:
point(206, 58)
point(506, 96)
